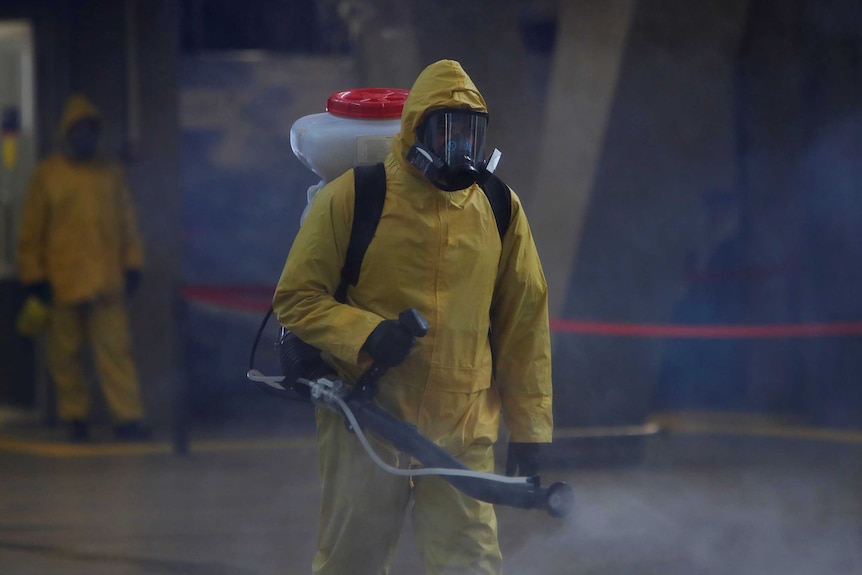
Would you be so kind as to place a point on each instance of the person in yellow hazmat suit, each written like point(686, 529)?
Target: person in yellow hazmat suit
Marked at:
point(79, 251)
point(486, 353)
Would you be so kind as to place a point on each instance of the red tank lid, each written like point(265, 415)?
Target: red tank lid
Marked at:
point(369, 103)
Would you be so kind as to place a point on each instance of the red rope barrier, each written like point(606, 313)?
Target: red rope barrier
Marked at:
point(258, 299)
point(747, 331)
point(244, 298)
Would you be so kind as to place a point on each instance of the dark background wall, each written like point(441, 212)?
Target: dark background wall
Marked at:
point(741, 117)
point(798, 90)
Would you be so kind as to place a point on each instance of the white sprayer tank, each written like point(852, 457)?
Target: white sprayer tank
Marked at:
point(356, 129)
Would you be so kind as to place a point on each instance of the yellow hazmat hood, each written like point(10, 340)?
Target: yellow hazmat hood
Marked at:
point(77, 108)
point(443, 84)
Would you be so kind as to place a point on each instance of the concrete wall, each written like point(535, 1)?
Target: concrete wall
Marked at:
point(668, 143)
point(799, 92)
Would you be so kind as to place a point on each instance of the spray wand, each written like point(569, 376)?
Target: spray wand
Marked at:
point(356, 404)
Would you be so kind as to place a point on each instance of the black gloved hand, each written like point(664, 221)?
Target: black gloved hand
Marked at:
point(133, 281)
point(523, 458)
point(41, 290)
point(389, 343)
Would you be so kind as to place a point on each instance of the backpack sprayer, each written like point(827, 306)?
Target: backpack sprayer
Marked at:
point(350, 122)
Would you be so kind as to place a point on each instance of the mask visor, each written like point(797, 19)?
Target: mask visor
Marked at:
point(456, 136)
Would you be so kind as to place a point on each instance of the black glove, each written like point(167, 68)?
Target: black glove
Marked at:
point(133, 281)
point(41, 290)
point(389, 343)
point(523, 458)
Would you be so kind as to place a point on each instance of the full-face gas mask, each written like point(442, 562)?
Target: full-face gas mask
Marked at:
point(82, 139)
point(450, 148)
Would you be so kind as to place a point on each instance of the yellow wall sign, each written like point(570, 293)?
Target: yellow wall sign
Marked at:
point(10, 151)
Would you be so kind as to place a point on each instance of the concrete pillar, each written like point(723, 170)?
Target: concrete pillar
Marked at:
point(385, 41)
point(590, 45)
point(154, 176)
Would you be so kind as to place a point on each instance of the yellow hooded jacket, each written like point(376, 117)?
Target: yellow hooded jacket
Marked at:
point(78, 226)
point(438, 252)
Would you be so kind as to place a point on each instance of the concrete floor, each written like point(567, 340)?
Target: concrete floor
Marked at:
point(701, 502)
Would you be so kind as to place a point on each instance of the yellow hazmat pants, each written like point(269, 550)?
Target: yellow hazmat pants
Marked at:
point(363, 510)
point(104, 326)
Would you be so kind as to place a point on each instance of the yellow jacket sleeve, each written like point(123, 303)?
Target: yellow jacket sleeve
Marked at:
point(31, 239)
point(304, 300)
point(521, 335)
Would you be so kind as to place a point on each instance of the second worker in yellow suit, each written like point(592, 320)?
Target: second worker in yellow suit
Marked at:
point(436, 249)
point(79, 251)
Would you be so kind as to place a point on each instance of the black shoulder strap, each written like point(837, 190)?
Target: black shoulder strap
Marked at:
point(369, 194)
point(501, 201)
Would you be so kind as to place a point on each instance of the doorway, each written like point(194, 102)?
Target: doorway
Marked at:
point(18, 371)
